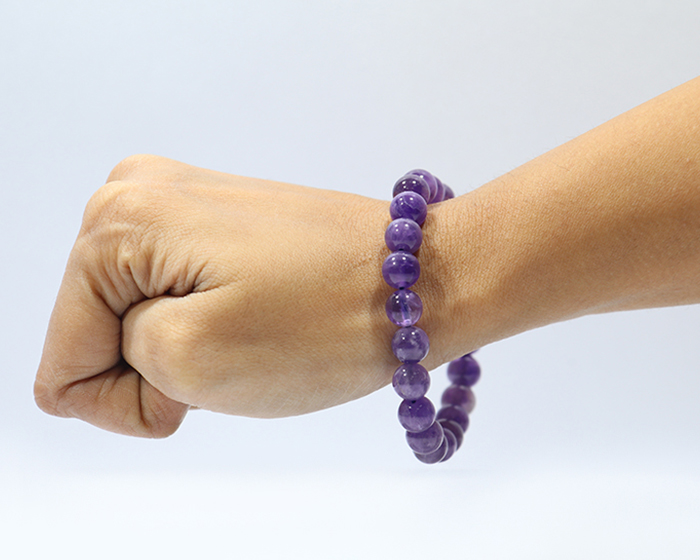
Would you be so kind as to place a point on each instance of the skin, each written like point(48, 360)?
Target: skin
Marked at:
point(192, 288)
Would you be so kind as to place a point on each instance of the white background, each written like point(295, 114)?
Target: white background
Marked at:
point(585, 441)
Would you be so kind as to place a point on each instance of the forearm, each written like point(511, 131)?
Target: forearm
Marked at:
point(188, 287)
point(609, 221)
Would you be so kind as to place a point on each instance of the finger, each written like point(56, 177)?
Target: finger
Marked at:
point(82, 373)
point(146, 167)
point(181, 345)
point(121, 400)
point(163, 339)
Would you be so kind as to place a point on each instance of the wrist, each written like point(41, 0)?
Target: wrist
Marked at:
point(464, 304)
point(487, 275)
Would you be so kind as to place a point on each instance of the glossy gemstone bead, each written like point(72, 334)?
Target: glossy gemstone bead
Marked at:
point(404, 308)
point(401, 269)
point(410, 344)
point(409, 205)
point(411, 381)
point(416, 415)
point(451, 446)
point(426, 441)
point(456, 429)
point(403, 235)
point(412, 183)
point(464, 371)
point(432, 437)
point(440, 194)
point(459, 395)
point(456, 414)
point(428, 178)
point(435, 456)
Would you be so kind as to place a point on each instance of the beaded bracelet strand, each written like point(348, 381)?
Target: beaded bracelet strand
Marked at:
point(433, 437)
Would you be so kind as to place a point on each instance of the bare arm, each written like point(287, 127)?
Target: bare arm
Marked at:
point(609, 221)
point(188, 287)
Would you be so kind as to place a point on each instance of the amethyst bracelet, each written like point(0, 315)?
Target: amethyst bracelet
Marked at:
point(432, 436)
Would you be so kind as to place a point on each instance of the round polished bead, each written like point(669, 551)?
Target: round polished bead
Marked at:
point(412, 183)
point(464, 371)
point(456, 429)
point(440, 194)
point(459, 395)
point(435, 456)
point(411, 381)
point(416, 415)
point(449, 193)
point(403, 235)
point(456, 414)
point(401, 269)
point(426, 441)
point(451, 446)
point(410, 344)
point(404, 308)
point(428, 178)
point(409, 205)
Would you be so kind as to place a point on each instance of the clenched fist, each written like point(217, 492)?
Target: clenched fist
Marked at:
point(188, 287)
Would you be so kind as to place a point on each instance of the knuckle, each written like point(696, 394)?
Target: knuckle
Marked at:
point(100, 204)
point(134, 166)
point(117, 203)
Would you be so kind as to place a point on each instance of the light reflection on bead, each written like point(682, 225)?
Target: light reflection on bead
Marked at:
point(409, 205)
point(433, 436)
point(452, 446)
point(411, 381)
point(401, 270)
point(435, 456)
point(412, 183)
point(404, 308)
point(456, 429)
point(417, 415)
point(429, 178)
point(403, 235)
point(426, 441)
point(410, 344)
point(455, 413)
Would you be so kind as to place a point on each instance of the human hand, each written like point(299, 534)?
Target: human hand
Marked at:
point(188, 287)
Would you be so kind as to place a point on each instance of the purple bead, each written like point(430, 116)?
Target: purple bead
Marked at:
point(409, 205)
point(404, 308)
point(428, 178)
point(412, 183)
point(403, 235)
point(459, 395)
point(456, 414)
point(440, 194)
point(426, 441)
point(435, 456)
point(456, 429)
point(449, 193)
point(401, 269)
point(411, 381)
point(464, 371)
point(451, 446)
point(416, 415)
point(410, 344)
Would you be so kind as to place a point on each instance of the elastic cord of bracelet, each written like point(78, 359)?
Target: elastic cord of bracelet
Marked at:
point(432, 436)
